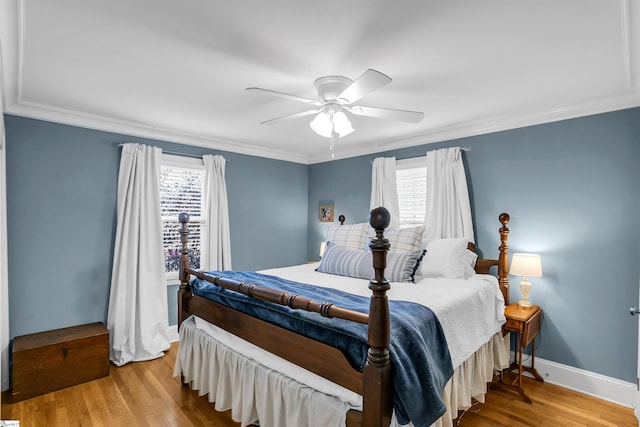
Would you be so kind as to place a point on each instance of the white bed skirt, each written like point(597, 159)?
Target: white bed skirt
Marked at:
point(254, 392)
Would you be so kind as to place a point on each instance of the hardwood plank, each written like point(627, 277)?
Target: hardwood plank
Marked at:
point(147, 394)
point(551, 406)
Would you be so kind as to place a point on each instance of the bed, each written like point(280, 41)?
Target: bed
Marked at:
point(283, 374)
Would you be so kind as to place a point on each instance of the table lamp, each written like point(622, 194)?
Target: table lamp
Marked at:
point(525, 265)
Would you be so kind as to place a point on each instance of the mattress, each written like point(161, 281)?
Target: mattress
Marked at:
point(470, 310)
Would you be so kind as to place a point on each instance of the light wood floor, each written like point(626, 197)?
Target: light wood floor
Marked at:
point(146, 394)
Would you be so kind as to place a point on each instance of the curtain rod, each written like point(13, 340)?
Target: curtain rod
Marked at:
point(174, 153)
point(461, 149)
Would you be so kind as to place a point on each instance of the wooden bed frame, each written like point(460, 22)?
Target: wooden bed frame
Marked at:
point(374, 383)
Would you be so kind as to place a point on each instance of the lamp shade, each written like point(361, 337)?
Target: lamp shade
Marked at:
point(327, 122)
point(526, 265)
point(341, 124)
point(322, 125)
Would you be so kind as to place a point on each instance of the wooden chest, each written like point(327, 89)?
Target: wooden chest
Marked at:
point(51, 360)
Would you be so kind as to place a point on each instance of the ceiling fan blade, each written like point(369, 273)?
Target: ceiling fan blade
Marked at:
point(290, 116)
point(284, 95)
point(369, 81)
point(387, 113)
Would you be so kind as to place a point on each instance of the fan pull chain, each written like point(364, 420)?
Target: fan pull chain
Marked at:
point(331, 143)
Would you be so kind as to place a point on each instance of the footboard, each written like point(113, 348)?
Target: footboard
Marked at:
point(374, 383)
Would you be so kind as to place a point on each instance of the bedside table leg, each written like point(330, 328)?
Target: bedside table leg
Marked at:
point(519, 387)
point(523, 395)
point(532, 370)
point(516, 384)
point(521, 348)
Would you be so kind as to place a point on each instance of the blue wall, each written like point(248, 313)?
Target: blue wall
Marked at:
point(571, 189)
point(61, 198)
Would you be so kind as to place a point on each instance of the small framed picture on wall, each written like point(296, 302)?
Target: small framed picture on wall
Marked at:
point(326, 213)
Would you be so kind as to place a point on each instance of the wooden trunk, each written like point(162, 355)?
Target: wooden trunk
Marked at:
point(51, 360)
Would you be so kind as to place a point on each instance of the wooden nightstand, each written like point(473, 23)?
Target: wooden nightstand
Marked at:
point(525, 323)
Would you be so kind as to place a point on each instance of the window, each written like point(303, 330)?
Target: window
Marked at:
point(181, 187)
point(411, 182)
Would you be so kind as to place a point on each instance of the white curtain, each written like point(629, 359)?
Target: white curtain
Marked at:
point(216, 237)
point(448, 211)
point(384, 191)
point(137, 319)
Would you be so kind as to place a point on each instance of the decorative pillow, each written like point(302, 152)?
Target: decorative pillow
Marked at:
point(470, 265)
point(405, 239)
point(401, 266)
point(353, 236)
point(448, 258)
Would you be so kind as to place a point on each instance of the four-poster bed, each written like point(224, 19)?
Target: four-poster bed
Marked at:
point(374, 383)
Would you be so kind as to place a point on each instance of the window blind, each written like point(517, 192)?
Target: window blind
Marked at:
point(412, 194)
point(181, 191)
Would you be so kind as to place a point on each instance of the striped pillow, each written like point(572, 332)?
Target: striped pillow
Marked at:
point(353, 236)
point(401, 266)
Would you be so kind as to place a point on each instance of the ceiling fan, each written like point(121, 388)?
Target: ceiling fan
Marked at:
point(337, 95)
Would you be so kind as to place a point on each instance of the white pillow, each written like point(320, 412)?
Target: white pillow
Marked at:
point(448, 258)
point(470, 265)
point(352, 236)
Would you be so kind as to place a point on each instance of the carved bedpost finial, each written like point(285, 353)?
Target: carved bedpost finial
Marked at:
point(504, 219)
point(379, 218)
point(503, 256)
point(183, 218)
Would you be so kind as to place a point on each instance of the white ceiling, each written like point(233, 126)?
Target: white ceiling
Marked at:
point(177, 70)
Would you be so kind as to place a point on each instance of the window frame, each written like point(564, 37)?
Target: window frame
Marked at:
point(189, 163)
point(411, 163)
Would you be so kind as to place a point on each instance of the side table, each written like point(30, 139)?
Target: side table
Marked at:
point(525, 323)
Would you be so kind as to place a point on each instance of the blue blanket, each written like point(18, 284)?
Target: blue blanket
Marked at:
point(418, 349)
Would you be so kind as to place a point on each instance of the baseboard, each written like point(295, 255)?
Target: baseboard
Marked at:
point(596, 385)
point(173, 333)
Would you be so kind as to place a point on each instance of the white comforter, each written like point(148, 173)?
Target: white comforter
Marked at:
point(470, 311)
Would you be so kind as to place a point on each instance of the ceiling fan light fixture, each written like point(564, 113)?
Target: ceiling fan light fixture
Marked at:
point(336, 96)
point(341, 124)
point(325, 123)
point(322, 125)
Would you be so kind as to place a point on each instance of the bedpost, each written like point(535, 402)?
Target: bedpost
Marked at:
point(183, 291)
point(377, 398)
point(503, 257)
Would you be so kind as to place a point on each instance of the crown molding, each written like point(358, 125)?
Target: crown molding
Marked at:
point(480, 127)
point(85, 120)
point(495, 124)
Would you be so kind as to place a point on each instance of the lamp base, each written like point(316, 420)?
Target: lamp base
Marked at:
point(525, 303)
point(525, 291)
